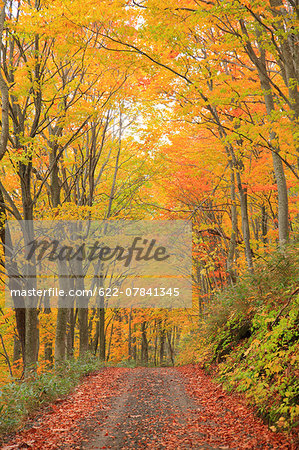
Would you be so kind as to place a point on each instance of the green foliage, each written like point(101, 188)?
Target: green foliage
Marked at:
point(264, 367)
point(19, 399)
point(251, 331)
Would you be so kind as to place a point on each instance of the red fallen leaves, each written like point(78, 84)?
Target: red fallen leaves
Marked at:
point(226, 420)
point(174, 420)
point(60, 426)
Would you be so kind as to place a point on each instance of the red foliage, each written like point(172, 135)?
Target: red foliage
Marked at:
point(61, 424)
point(150, 408)
point(226, 419)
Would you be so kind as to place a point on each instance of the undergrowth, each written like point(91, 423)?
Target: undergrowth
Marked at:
point(20, 399)
point(249, 338)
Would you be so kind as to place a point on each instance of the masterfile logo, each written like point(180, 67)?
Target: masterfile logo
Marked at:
point(145, 251)
point(86, 264)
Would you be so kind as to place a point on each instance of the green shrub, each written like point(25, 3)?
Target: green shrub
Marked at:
point(19, 399)
point(266, 367)
point(251, 333)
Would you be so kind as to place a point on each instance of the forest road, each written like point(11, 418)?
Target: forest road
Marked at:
point(147, 408)
point(152, 411)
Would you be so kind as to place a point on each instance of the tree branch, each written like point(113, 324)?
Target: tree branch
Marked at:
point(4, 93)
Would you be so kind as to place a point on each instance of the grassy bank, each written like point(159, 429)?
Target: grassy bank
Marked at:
point(20, 399)
point(248, 339)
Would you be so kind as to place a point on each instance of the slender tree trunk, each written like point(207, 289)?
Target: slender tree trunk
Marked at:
point(109, 344)
point(244, 210)
point(17, 349)
point(32, 341)
point(144, 344)
point(82, 311)
point(4, 92)
point(13, 282)
point(171, 350)
point(102, 336)
point(92, 318)
point(134, 345)
point(130, 335)
point(62, 315)
point(282, 191)
point(60, 336)
point(233, 237)
point(83, 330)
point(96, 338)
point(264, 225)
point(32, 323)
point(70, 337)
point(162, 343)
point(48, 344)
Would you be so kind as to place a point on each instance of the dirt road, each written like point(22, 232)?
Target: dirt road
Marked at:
point(148, 408)
point(152, 402)
point(157, 408)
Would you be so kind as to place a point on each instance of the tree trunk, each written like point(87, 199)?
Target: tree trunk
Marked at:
point(162, 343)
point(70, 337)
point(244, 210)
point(171, 350)
point(60, 336)
point(144, 344)
point(48, 345)
point(4, 92)
point(264, 225)
point(62, 314)
point(13, 283)
point(102, 336)
point(32, 341)
point(282, 191)
point(17, 349)
point(233, 237)
point(130, 335)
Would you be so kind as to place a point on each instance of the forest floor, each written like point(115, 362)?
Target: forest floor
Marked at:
point(154, 408)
